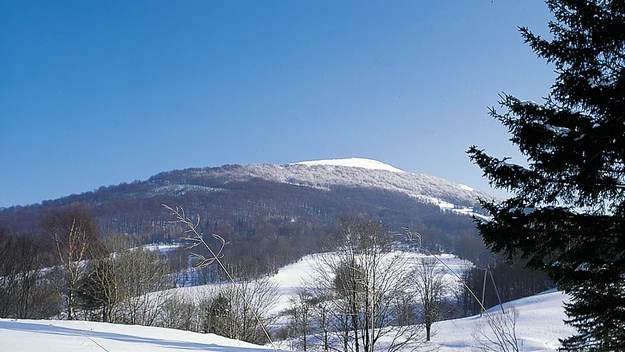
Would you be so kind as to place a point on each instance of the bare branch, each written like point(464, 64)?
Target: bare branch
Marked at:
point(198, 240)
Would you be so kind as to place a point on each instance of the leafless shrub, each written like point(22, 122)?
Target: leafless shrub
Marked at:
point(129, 285)
point(227, 314)
point(180, 312)
point(144, 277)
point(496, 332)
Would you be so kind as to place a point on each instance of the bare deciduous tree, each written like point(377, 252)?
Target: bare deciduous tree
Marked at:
point(369, 280)
point(430, 285)
point(228, 314)
point(300, 312)
point(76, 237)
point(143, 276)
point(128, 286)
point(254, 304)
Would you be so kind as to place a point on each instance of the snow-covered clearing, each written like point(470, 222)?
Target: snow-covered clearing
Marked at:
point(292, 277)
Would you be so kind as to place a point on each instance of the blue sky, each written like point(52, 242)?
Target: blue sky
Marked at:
point(99, 93)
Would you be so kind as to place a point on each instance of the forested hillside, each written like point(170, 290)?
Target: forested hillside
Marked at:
point(281, 211)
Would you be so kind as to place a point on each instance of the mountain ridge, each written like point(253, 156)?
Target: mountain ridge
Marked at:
point(265, 181)
point(324, 174)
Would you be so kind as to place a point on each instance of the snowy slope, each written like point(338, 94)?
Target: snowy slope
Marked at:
point(539, 327)
point(292, 277)
point(69, 336)
point(353, 162)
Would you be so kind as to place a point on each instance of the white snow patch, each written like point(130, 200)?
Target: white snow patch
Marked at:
point(163, 248)
point(466, 188)
point(560, 131)
point(447, 206)
point(353, 162)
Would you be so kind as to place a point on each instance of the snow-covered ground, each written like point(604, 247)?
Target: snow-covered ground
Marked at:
point(539, 325)
point(292, 277)
point(69, 336)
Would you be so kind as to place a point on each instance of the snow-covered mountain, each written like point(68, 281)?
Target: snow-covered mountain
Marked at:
point(304, 193)
point(354, 173)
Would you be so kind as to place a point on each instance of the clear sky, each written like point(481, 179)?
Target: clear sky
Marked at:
point(95, 93)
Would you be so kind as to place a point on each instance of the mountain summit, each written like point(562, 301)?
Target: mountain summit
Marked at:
point(353, 162)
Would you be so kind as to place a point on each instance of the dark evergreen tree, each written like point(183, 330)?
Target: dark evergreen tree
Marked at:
point(97, 291)
point(567, 215)
point(217, 316)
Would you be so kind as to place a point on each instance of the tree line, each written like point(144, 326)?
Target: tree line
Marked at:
point(70, 271)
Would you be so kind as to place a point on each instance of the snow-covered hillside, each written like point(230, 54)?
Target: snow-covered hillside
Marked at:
point(294, 276)
point(353, 172)
point(539, 326)
point(290, 278)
